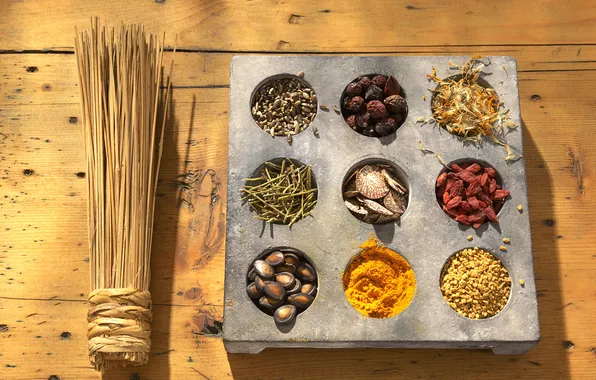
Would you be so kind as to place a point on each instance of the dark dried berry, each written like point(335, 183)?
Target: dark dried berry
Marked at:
point(345, 102)
point(354, 89)
point(379, 81)
point(363, 120)
point(373, 93)
point(356, 103)
point(376, 109)
point(351, 120)
point(398, 118)
point(365, 83)
point(385, 126)
point(392, 87)
point(396, 104)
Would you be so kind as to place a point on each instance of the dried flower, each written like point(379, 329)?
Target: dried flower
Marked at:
point(376, 109)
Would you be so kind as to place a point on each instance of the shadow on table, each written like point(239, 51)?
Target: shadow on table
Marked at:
point(162, 262)
point(547, 360)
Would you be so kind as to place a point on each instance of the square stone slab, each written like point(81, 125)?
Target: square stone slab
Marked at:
point(425, 236)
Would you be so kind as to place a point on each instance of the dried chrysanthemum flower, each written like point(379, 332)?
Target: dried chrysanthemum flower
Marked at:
point(465, 108)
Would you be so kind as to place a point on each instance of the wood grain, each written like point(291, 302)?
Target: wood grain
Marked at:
point(309, 26)
point(44, 275)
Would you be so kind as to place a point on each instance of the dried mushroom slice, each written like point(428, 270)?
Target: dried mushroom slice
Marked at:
point(376, 207)
point(393, 183)
point(355, 207)
point(371, 183)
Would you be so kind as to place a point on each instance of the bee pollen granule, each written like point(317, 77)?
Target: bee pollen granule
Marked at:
point(475, 284)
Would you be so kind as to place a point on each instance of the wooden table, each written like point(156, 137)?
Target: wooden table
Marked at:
point(44, 269)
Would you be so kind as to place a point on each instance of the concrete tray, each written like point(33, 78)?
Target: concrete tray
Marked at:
point(425, 236)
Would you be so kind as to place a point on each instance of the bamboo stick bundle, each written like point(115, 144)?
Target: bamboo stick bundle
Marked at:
point(124, 115)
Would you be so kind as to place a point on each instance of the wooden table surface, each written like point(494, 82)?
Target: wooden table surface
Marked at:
point(44, 269)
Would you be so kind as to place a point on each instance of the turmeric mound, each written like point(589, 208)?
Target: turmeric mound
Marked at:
point(379, 282)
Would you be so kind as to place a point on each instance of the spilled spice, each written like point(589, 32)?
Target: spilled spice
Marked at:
point(379, 282)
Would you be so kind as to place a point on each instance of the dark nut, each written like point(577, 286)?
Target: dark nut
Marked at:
point(373, 93)
point(392, 87)
point(379, 81)
point(376, 109)
point(354, 89)
point(396, 104)
point(356, 103)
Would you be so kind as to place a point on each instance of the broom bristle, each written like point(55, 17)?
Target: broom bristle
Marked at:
point(124, 115)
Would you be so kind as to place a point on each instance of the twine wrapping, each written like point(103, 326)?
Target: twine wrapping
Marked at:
point(119, 327)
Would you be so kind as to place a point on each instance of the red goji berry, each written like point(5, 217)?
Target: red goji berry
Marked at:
point(473, 203)
point(490, 214)
point(482, 205)
point(500, 194)
point(491, 172)
point(463, 219)
point(467, 176)
point(483, 179)
point(456, 168)
point(477, 217)
point(453, 203)
point(485, 198)
point(452, 212)
point(474, 168)
point(492, 186)
point(446, 197)
point(449, 184)
point(466, 206)
point(441, 179)
point(457, 188)
point(473, 189)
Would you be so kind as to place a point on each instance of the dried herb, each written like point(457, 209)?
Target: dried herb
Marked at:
point(283, 193)
point(466, 108)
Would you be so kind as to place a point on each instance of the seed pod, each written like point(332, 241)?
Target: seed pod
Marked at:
point(285, 314)
point(269, 303)
point(290, 268)
point(309, 289)
point(259, 283)
point(286, 279)
point(264, 270)
point(252, 274)
point(290, 258)
point(252, 291)
point(275, 258)
point(274, 290)
point(297, 288)
point(301, 300)
point(306, 272)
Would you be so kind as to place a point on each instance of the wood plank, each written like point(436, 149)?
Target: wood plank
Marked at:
point(52, 78)
point(51, 340)
point(307, 26)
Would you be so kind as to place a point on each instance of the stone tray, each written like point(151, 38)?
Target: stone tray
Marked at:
point(425, 236)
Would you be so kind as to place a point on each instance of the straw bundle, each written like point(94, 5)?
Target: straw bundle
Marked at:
point(124, 114)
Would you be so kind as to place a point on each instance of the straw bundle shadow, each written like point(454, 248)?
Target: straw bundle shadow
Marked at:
point(124, 115)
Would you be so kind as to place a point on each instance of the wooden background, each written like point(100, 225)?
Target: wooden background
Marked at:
point(44, 270)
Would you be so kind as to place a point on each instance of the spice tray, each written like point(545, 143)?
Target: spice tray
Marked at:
point(425, 236)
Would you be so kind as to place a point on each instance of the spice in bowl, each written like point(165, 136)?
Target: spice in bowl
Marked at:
point(283, 283)
point(284, 192)
point(284, 107)
point(373, 105)
point(374, 194)
point(475, 283)
point(471, 194)
point(379, 282)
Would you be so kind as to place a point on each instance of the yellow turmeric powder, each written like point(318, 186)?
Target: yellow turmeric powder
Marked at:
point(379, 282)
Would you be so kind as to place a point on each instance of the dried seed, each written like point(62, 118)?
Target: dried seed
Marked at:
point(309, 289)
point(305, 272)
point(336, 109)
point(264, 270)
point(286, 279)
point(297, 288)
point(269, 303)
point(291, 259)
point(274, 290)
point(355, 207)
point(285, 314)
point(506, 240)
point(324, 108)
point(290, 268)
point(275, 258)
point(520, 208)
point(503, 248)
point(252, 291)
point(300, 300)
